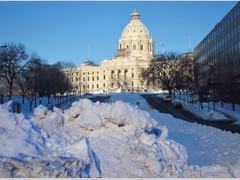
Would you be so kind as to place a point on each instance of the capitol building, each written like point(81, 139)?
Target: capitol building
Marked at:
point(122, 73)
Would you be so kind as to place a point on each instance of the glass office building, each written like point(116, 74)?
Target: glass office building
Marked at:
point(218, 54)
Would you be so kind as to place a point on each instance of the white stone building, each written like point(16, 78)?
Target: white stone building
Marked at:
point(122, 73)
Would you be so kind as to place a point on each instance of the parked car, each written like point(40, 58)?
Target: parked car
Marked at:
point(167, 99)
point(177, 104)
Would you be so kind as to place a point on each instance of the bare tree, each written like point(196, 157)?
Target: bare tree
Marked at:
point(65, 65)
point(13, 60)
point(22, 84)
point(163, 71)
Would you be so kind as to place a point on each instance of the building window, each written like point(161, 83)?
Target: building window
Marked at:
point(88, 78)
point(134, 47)
point(141, 47)
point(97, 78)
point(104, 85)
point(104, 77)
point(132, 75)
point(112, 74)
point(92, 78)
point(92, 86)
point(83, 78)
point(97, 85)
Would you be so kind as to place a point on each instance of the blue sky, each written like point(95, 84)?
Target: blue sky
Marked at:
point(80, 30)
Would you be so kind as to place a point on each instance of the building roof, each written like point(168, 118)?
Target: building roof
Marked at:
point(135, 28)
point(89, 63)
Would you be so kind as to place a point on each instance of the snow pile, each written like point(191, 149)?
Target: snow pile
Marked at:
point(109, 140)
point(18, 135)
point(29, 151)
point(126, 140)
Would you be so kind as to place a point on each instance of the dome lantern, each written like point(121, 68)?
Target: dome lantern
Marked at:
point(135, 15)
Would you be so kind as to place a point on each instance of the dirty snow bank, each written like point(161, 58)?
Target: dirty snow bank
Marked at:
point(29, 151)
point(93, 140)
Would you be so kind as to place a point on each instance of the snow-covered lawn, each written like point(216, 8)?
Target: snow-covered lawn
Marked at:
point(122, 138)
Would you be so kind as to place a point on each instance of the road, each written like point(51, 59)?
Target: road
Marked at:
point(167, 107)
point(98, 98)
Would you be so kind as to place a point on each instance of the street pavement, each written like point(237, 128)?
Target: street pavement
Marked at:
point(167, 107)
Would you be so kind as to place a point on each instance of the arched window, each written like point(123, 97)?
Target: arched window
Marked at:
point(119, 72)
point(125, 74)
point(112, 74)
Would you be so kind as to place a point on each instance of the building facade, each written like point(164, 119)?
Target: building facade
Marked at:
point(220, 49)
point(122, 72)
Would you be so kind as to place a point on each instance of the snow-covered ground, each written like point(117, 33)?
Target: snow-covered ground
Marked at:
point(25, 108)
point(122, 138)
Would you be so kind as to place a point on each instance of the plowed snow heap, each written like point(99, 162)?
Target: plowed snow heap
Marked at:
point(91, 140)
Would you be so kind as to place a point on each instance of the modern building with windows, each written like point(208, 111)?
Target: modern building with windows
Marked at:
point(219, 51)
point(122, 73)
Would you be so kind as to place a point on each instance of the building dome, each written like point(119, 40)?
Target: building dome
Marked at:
point(89, 63)
point(135, 40)
point(135, 28)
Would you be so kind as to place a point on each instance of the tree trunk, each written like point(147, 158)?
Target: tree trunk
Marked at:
point(170, 92)
point(10, 91)
point(30, 105)
point(201, 105)
point(233, 106)
point(49, 96)
point(23, 97)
